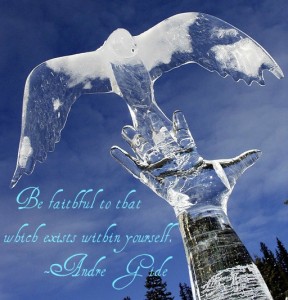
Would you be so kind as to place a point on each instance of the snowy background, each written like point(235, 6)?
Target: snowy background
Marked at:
point(225, 118)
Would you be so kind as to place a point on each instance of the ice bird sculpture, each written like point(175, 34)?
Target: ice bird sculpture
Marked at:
point(128, 66)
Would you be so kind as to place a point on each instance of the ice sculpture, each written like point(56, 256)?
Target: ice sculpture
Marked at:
point(198, 190)
point(166, 158)
point(129, 66)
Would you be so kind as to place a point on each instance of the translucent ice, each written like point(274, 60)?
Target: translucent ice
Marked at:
point(166, 158)
point(198, 190)
point(178, 173)
point(129, 66)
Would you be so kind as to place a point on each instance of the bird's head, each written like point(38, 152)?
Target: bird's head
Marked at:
point(122, 43)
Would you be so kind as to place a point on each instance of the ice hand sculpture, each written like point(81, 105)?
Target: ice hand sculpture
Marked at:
point(129, 66)
point(220, 267)
point(171, 166)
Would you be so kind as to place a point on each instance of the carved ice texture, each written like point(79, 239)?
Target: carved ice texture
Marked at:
point(166, 158)
point(240, 282)
point(128, 66)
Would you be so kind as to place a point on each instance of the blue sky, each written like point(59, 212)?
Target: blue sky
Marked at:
point(225, 118)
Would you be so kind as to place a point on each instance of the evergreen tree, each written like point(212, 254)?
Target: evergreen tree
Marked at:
point(185, 292)
point(156, 289)
point(282, 259)
point(282, 256)
point(272, 273)
point(127, 298)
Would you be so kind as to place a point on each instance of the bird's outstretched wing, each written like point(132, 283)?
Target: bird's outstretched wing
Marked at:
point(208, 41)
point(50, 90)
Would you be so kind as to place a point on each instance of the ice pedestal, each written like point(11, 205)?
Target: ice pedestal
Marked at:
point(220, 266)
